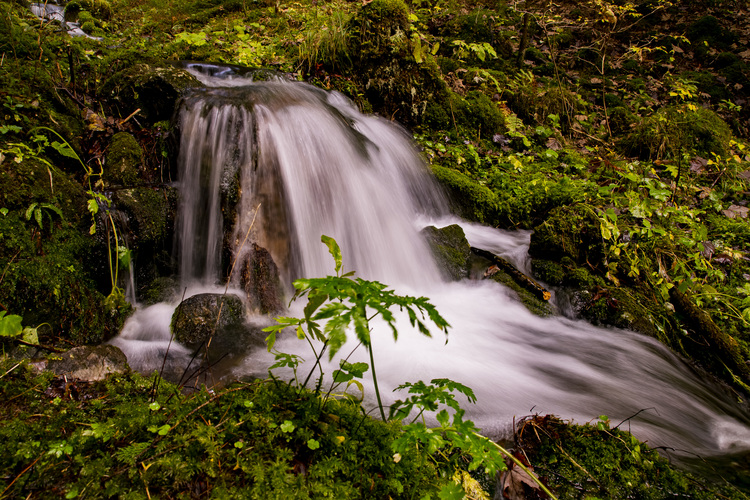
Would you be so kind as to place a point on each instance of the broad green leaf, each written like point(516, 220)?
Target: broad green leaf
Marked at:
point(10, 325)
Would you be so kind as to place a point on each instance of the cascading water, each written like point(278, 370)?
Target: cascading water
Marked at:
point(310, 164)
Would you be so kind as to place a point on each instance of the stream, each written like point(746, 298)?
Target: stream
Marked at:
point(310, 164)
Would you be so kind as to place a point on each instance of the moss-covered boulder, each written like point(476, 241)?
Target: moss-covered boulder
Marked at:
point(569, 231)
point(679, 129)
point(396, 83)
point(468, 198)
point(152, 89)
point(451, 250)
point(201, 317)
point(90, 363)
point(124, 157)
point(49, 274)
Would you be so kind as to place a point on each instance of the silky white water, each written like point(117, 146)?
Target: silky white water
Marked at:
point(309, 164)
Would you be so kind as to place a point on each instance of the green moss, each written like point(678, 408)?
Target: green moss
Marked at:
point(153, 89)
point(570, 231)
point(478, 114)
point(124, 157)
point(451, 250)
point(534, 304)
point(587, 462)
point(677, 129)
point(101, 9)
point(469, 199)
point(255, 440)
point(46, 281)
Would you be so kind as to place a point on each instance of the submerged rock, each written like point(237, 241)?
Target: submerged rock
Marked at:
point(91, 363)
point(451, 250)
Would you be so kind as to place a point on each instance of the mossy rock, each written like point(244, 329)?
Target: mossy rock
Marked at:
point(451, 250)
point(469, 199)
point(160, 289)
point(478, 114)
point(101, 9)
point(124, 158)
point(152, 212)
point(153, 89)
point(676, 129)
point(47, 280)
point(394, 83)
point(569, 231)
point(203, 316)
point(534, 304)
point(35, 180)
point(89, 363)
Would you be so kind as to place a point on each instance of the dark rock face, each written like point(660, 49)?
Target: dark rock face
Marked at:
point(207, 315)
point(260, 280)
point(91, 363)
point(451, 250)
point(155, 90)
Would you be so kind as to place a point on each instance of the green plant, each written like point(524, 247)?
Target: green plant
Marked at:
point(118, 255)
point(35, 209)
point(343, 303)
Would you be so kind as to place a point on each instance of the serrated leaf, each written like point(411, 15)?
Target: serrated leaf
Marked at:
point(334, 250)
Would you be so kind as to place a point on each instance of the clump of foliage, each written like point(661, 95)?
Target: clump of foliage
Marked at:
point(258, 440)
point(599, 461)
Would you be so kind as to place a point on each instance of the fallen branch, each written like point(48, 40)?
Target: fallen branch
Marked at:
point(523, 280)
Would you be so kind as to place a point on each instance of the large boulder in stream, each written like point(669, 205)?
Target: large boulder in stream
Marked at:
point(207, 315)
point(220, 318)
point(451, 250)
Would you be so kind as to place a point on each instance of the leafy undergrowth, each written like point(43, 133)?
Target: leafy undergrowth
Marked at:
point(598, 462)
point(120, 438)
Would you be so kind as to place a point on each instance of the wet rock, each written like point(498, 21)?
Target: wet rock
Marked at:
point(124, 157)
point(260, 281)
point(89, 363)
point(207, 315)
point(153, 89)
point(451, 250)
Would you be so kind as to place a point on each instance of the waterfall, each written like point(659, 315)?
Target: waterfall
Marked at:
point(283, 163)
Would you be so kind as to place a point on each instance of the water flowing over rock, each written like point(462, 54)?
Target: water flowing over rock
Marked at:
point(276, 164)
point(451, 250)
